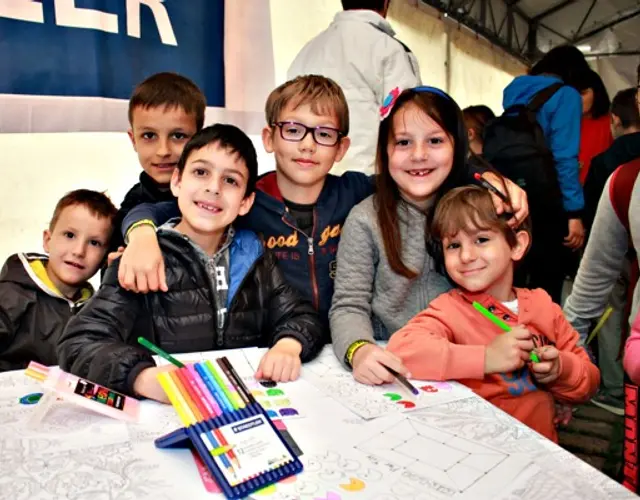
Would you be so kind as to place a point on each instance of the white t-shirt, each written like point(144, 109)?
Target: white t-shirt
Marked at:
point(512, 305)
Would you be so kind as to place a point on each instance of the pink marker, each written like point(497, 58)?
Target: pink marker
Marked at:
point(203, 393)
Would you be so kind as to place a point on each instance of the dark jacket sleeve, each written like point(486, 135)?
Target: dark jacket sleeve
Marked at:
point(13, 304)
point(95, 343)
point(159, 213)
point(593, 187)
point(289, 314)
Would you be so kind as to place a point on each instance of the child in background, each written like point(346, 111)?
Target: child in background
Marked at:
point(300, 208)
point(386, 273)
point(451, 340)
point(475, 119)
point(226, 291)
point(595, 128)
point(625, 127)
point(39, 293)
point(165, 110)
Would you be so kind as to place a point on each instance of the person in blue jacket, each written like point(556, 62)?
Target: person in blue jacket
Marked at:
point(559, 119)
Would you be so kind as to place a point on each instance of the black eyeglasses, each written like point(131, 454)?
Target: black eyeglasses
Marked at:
point(296, 132)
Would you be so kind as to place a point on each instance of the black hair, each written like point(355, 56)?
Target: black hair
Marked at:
point(377, 5)
point(625, 107)
point(232, 139)
point(477, 117)
point(601, 101)
point(566, 62)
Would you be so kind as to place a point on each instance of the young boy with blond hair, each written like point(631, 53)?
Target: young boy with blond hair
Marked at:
point(165, 111)
point(39, 293)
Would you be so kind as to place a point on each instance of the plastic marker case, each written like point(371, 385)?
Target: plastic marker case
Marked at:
point(85, 393)
point(258, 454)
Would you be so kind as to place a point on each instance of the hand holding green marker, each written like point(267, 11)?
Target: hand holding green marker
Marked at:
point(501, 324)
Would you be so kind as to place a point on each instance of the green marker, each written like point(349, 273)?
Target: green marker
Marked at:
point(163, 354)
point(233, 402)
point(501, 324)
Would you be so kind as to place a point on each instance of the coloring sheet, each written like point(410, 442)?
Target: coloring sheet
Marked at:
point(404, 457)
point(72, 452)
point(375, 401)
point(325, 363)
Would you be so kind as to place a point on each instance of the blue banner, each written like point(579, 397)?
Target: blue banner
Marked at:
point(104, 48)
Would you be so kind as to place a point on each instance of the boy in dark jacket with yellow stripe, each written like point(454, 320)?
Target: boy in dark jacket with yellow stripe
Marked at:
point(225, 289)
point(39, 293)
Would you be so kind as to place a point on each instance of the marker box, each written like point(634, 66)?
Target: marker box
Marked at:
point(85, 393)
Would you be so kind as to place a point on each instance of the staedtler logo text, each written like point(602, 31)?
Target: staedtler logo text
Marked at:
point(247, 424)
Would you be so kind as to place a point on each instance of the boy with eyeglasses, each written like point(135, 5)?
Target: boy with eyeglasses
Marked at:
point(299, 209)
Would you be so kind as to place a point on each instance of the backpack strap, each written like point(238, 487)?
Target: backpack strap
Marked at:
point(543, 96)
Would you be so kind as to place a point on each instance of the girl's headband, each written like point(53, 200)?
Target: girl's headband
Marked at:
point(390, 101)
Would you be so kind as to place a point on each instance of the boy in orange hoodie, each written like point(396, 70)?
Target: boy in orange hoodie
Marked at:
point(452, 340)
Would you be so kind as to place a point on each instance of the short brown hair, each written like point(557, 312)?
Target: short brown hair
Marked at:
point(323, 94)
point(471, 207)
point(170, 90)
point(97, 203)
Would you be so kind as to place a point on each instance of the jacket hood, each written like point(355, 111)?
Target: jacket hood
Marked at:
point(29, 271)
point(522, 89)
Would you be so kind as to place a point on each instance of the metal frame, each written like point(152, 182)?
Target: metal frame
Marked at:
point(504, 34)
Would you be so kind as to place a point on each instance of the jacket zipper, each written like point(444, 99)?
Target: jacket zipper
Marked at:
point(312, 259)
point(235, 297)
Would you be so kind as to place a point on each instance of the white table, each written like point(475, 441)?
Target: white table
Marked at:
point(474, 451)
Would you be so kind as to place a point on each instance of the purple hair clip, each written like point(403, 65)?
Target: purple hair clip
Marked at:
point(389, 101)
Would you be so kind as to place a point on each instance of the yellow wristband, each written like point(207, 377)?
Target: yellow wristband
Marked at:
point(143, 222)
point(348, 358)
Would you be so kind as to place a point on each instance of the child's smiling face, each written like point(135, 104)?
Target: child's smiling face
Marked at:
point(481, 260)
point(420, 154)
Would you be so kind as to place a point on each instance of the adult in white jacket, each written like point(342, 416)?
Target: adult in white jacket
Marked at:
point(360, 52)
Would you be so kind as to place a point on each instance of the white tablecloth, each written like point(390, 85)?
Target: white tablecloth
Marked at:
point(460, 449)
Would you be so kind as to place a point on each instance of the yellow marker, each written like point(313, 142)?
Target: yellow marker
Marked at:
point(176, 399)
point(221, 450)
point(40, 377)
point(603, 320)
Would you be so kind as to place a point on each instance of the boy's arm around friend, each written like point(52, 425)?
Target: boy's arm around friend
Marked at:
point(94, 344)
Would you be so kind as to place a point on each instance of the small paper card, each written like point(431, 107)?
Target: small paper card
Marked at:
point(257, 447)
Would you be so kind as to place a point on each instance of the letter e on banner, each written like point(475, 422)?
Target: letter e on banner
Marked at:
point(22, 10)
point(67, 14)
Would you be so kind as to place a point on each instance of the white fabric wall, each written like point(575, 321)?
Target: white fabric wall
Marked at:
point(39, 168)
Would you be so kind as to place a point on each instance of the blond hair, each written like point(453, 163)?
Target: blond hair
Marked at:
point(323, 94)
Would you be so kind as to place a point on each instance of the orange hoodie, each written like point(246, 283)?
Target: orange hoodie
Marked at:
point(448, 340)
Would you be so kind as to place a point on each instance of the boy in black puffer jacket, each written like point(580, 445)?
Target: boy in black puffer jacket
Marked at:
point(225, 290)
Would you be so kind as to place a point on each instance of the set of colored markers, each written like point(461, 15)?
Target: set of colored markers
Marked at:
point(231, 432)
